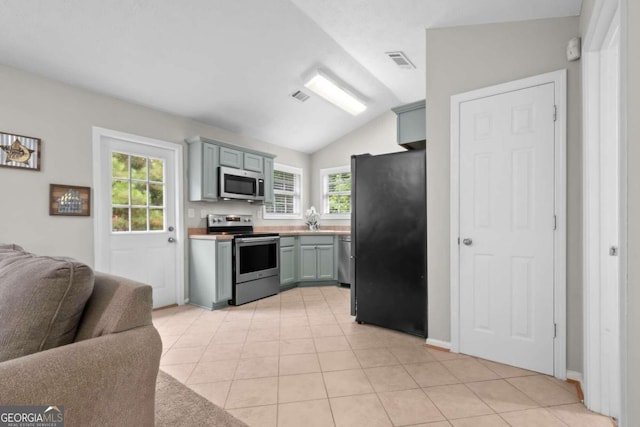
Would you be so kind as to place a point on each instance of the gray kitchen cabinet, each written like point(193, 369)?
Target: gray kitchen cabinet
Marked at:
point(210, 273)
point(224, 264)
point(205, 157)
point(288, 260)
point(268, 180)
point(203, 171)
point(316, 258)
point(253, 162)
point(231, 158)
point(412, 124)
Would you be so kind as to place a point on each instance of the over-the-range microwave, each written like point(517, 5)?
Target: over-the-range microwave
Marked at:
point(240, 184)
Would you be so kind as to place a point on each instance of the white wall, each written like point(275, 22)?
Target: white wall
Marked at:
point(63, 117)
point(461, 59)
point(633, 209)
point(376, 137)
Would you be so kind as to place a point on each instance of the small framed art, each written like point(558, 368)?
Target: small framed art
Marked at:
point(69, 200)
point(19, 151)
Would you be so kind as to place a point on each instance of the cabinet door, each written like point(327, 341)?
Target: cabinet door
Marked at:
point(230, 157)
point(324, 265)
point(307, 262)
point(224, 281)
point(253, 162)
point(209, 171)
point(287, 265)
point(268, 180)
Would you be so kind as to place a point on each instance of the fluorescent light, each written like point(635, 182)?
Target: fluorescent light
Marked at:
point(326, 88)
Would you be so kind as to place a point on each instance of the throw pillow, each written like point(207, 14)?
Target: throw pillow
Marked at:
point(41, 302)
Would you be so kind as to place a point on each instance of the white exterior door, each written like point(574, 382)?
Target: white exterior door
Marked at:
point(136, 225)
point(506, 226)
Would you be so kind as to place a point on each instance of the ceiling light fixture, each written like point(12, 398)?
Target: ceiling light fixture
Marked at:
point(332, 92)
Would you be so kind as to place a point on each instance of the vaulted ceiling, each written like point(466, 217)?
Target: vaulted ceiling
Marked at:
point(234, 63)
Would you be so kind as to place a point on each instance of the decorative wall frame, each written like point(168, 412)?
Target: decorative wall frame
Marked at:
point(69, 200)
point(19, 151)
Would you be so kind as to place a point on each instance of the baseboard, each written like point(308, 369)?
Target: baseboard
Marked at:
point(575, 378)
point(438, 345)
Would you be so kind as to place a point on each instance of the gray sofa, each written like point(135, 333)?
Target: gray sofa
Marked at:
point(107, 374)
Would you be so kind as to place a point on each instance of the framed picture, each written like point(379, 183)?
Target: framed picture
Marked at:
point(69, 200)
point(19, 151)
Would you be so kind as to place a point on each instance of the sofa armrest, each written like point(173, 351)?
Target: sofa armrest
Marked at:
point(108, 380)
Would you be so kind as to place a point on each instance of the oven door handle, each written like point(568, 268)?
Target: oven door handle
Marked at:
point(258, 239)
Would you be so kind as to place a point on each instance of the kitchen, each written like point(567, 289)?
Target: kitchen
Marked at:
point(63, 114)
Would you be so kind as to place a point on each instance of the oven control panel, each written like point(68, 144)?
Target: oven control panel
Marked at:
point(215, 220)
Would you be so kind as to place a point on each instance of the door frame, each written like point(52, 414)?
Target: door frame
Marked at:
point(559, 79)
point(598, 357)
point(100, 241)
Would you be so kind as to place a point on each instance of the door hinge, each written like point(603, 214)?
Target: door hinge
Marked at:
point(555, 222)
point(555, 330)
point(555, 113)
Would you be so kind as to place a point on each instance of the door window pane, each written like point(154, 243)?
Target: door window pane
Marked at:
point(156, 194)
point(138, 219)
point(156, 219)
point(120, 193)
point(120, 219)
point(139, 193)
point(138, 167)
point(120, 165)
point(156, 170)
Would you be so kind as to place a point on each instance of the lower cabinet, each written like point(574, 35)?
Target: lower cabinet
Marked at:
point(316, 258)
point(210, 273)
point(288, 260)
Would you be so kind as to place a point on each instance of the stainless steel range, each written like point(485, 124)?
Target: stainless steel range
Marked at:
point(256, 257)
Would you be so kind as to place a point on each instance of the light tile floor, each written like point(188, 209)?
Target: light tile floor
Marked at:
point(299, 359)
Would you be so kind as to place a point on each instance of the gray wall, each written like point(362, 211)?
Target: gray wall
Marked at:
point(376, 137)
point(63, 116)
point(461, 59)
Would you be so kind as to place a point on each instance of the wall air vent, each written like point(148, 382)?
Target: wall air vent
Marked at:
point(400, 59)
point(299, 96)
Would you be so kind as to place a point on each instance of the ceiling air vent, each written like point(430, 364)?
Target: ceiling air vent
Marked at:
point(400, 59)
point(299, 96)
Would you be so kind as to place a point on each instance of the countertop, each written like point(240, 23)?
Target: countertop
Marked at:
point(196, 233)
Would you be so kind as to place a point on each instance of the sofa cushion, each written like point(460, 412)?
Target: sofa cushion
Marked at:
point(41, 301)
point(10, 247)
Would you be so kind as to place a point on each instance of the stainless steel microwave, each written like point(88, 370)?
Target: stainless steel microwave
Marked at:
point(240, 184)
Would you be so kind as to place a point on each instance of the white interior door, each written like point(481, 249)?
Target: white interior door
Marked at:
point(137, 230)
point(507, 222)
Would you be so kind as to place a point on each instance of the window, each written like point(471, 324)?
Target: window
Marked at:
point(137, 193)
point(336, 192)
point(287, 182)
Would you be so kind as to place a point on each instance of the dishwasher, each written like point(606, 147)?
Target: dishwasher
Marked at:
point(344, 260)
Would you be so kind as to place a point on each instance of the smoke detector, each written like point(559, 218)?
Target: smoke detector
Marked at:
point(299, 96)
point(400, 59)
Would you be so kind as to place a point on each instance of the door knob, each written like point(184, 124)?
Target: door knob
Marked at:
point(171, 239)
point(467, 241)
point(170, 228)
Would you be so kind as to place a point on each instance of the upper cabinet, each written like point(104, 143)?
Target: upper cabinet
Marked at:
point(231, 158)
point(412, 125)
point(207, 155)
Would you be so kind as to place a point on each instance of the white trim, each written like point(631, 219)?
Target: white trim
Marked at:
point(599, 358)
point(99, 244)
point(296, 171)
point(559, 79)
point(437, 343)
point(324, 172)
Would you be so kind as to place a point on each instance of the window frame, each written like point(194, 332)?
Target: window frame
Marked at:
point(297, 201)
point(324, 173)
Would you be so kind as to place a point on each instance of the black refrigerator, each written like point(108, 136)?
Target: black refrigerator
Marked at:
point(389, 241)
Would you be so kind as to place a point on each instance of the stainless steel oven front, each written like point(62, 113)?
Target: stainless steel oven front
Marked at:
point(256, 272)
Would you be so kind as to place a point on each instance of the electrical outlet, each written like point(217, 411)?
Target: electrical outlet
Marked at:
point(203, 213)
point(191, 213)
